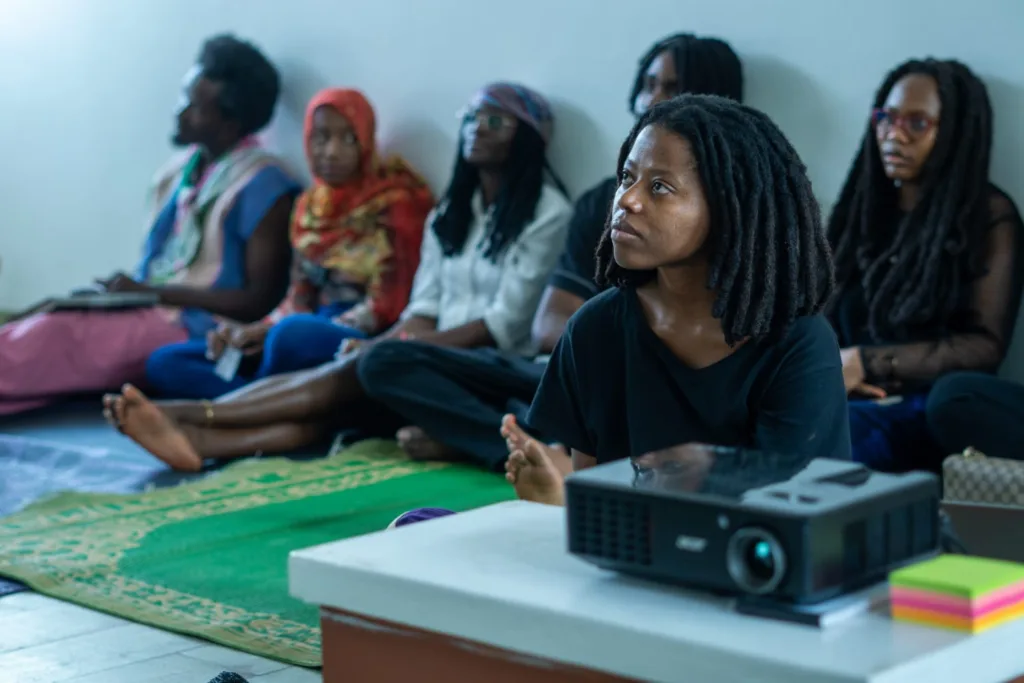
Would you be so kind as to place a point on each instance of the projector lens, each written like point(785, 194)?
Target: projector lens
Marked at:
point(756, 560)
point(760, 561)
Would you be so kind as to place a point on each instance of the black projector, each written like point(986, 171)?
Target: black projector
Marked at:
point(743, 522)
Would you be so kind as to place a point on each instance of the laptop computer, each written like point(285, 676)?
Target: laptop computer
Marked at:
point(98, 301)
point(995, 531)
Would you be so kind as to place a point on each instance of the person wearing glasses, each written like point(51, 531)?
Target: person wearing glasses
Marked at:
point(926, 258)
point(486, 255)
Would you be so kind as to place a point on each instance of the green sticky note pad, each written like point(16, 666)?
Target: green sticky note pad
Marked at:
point(959, 575)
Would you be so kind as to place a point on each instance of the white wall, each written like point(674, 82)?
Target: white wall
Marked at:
point(88, 86)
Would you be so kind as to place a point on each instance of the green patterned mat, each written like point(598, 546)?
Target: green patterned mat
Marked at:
point(209, 558)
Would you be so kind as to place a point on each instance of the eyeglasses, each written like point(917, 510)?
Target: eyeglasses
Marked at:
point(914, 124)
point(486, 120)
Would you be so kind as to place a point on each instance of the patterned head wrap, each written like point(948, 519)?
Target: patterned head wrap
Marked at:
point(526, 105)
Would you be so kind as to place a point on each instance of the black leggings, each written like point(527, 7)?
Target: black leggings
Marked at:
point(457, 396)
point(972, 409)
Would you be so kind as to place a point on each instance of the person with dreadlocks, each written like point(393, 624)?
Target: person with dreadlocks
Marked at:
point(710, 332)
point(471, 389)
point(926, 253)
point(486, 255)
point(685, 63)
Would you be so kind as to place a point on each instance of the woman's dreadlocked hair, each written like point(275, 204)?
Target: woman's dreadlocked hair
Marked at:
point(522, 181)
point(769, 260)
point(938, 242)
point(704, 66)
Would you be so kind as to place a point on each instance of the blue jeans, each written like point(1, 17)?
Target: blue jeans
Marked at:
point(298, 342)
point(893, 437)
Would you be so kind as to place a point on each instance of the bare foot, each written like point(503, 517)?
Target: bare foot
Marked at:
point(178, 412)
point(144, 423)
point(531, 467)
point(420, 447)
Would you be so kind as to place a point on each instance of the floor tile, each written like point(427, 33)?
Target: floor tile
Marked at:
point(28, 620)
point(90, 653)
point(168, 669)
point(242, 663)
point(292, 675)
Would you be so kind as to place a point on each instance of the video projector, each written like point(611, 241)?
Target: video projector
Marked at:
point(741, 522)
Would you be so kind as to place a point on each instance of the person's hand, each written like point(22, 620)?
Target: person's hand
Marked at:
point(119, 282)
point(248, 339)
point(855, 376)
point(346, 318)
point(853, 368)
point(870, 391)
point(359, 317)
point(350, 346)
point(217, 341)
point(354, 345)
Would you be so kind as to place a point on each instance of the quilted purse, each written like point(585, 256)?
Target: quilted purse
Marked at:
point(973, 477)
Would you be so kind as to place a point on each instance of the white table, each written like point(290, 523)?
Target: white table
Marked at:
point(501, 576)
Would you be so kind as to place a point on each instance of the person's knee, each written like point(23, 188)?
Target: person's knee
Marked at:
point(383, 362)
point(286, 336)
point(950, 393)
point(950, 409)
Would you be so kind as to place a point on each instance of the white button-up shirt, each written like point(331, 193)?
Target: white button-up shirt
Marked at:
point(504, 293)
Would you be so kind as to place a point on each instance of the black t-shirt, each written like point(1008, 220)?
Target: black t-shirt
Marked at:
point(612, 389)
point(575, 270)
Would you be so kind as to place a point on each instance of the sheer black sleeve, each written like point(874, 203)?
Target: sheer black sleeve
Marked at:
point(993, 300)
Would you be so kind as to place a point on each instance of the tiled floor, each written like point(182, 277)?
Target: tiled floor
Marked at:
point(47, 641)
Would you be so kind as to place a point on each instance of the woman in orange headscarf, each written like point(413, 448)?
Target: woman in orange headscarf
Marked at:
point(356, 239)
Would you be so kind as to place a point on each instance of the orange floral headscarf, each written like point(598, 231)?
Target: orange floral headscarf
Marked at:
point(339, 228)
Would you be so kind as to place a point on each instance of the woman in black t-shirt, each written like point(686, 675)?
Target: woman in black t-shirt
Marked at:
point(711, 330)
